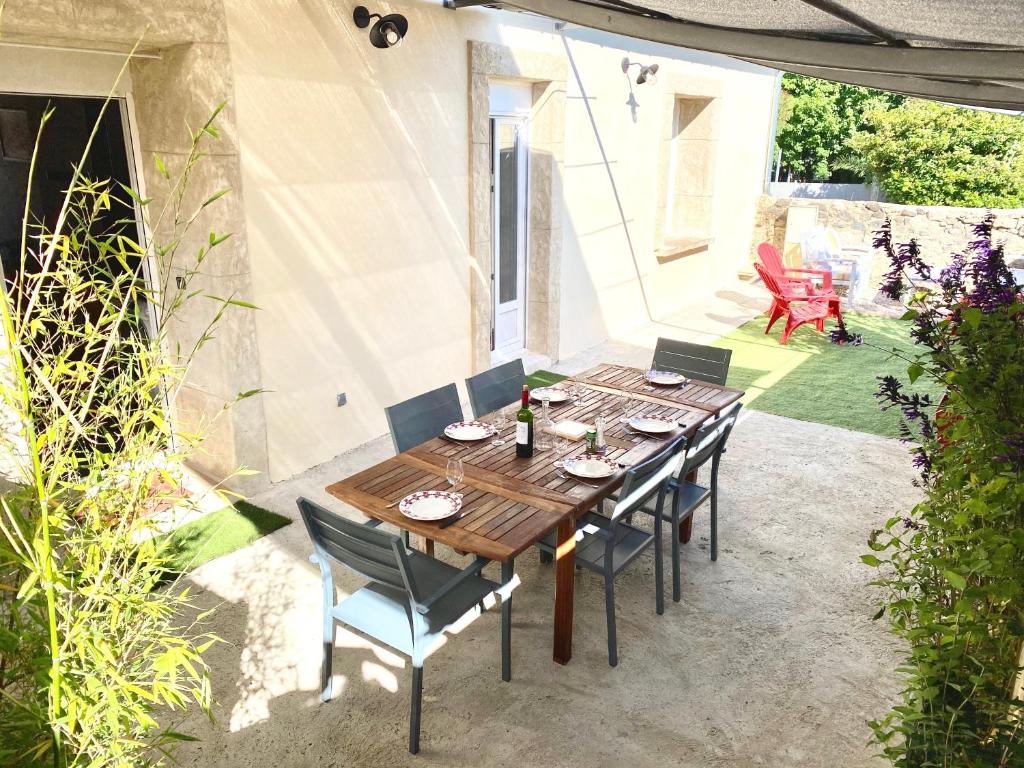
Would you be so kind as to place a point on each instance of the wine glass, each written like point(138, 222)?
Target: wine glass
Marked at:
point(627, 402)
point(576, 391)
point(455, 472)
point(500, 422)
point(561, 445)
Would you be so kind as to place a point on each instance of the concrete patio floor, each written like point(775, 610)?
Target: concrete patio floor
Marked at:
point(769, 659)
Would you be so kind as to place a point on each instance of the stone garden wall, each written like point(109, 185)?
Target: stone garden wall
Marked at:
point(940, 230)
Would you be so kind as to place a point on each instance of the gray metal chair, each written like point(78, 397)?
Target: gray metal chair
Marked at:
point(708, 443)
point(496, 388)
point(607, 545)
point(410, 602)
point(420, 418)
point(700, 361)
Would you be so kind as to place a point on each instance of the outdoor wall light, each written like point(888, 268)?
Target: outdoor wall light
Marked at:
point(647, 71)
point(387, 32)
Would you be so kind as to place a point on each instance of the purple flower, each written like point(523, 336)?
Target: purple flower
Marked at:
point(903, 258)
point(993, 283)
point(912, 406)
point(840, 335)
point(951, 278)
point(910, 524)
point(1015, 451)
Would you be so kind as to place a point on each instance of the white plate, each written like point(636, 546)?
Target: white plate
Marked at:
point(553, 394)
point(590, 467)
point(665, 378)
point(469, 430)
point(430, 505)
point(653, 424)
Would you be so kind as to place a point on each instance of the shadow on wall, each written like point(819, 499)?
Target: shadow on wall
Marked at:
point(358, 236)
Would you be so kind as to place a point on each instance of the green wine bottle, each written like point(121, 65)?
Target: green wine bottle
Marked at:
point(524, 427)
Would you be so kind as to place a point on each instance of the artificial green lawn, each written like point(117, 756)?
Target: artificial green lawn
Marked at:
point(814, 380)
point(543, 379)
point(219, 533)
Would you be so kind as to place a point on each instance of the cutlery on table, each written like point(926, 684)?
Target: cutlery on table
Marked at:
point(581, 482)
point(454, 519)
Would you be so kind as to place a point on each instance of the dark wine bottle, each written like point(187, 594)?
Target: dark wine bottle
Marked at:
point(524, 427)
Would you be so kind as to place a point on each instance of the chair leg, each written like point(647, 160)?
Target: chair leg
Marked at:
point(416, 707)
point(775, 313)
point(676, 578)
point(659, 576)
point(609, 606)
point(788, 330)
point(714, 524)
point(328, 631)
point(507, 571)
point(328, 653)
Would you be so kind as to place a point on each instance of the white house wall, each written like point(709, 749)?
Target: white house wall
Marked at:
point(355, 182)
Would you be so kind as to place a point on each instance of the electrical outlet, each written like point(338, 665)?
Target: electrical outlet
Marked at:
point(342, 399)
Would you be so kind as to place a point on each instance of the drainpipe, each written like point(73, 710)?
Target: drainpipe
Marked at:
point(770, 154)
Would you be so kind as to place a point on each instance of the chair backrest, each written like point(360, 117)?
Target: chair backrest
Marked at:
point(769, 282)
point(370, 552)
point(644, 479)
point(490, 390)
point(710, 439)
point(420, 418)
point(700, 361)
point(771, 258)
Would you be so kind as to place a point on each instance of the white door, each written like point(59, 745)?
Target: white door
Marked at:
point(510, 151)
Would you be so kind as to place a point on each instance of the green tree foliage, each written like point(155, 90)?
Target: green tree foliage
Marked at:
point(94, 650)
point(926, 153)
point(817, 118)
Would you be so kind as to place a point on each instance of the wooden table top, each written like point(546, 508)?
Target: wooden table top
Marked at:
point(696, 394)
point(512, 502)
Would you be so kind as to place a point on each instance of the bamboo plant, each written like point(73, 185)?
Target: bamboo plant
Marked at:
point(97, 652)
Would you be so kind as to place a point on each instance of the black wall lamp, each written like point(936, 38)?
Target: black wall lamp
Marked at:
point(387, 32)
point(647, 71)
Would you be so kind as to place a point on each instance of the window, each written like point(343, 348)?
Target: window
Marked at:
point(690, 176)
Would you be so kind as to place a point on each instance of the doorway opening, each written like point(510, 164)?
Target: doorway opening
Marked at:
point(62, 141)
point(510, 157)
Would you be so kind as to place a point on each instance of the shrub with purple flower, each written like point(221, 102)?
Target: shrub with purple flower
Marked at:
point(953, 569)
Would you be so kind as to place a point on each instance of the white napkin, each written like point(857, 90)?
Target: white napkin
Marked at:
point(571, 430)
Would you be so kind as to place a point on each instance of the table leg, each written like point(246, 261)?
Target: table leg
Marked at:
point(565, 576)
point(428, 546)
point(507, 572)
point(686, 526)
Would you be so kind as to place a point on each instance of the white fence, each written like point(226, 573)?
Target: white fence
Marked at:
point(796, 189)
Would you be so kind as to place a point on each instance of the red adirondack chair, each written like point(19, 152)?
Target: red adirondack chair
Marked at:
point(789, 276)
point(799, 308)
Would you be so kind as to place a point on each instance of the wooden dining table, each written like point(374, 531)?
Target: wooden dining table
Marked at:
point(509, 503)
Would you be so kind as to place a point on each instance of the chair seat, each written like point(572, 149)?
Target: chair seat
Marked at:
point(689, 495)
point(590, 546)
point(812, 310)
point(383, 612)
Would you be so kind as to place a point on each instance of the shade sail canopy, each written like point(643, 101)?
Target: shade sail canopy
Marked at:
point(962, 51)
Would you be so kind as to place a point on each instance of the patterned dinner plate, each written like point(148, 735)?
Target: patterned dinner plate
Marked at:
point(665, 378)
point(553, 394)
point(469, 430)
point(590, 467)
point(430, 505)
point(653, 424)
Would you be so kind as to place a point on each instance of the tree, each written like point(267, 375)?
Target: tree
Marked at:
point(926, 153)
point(817, 118)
